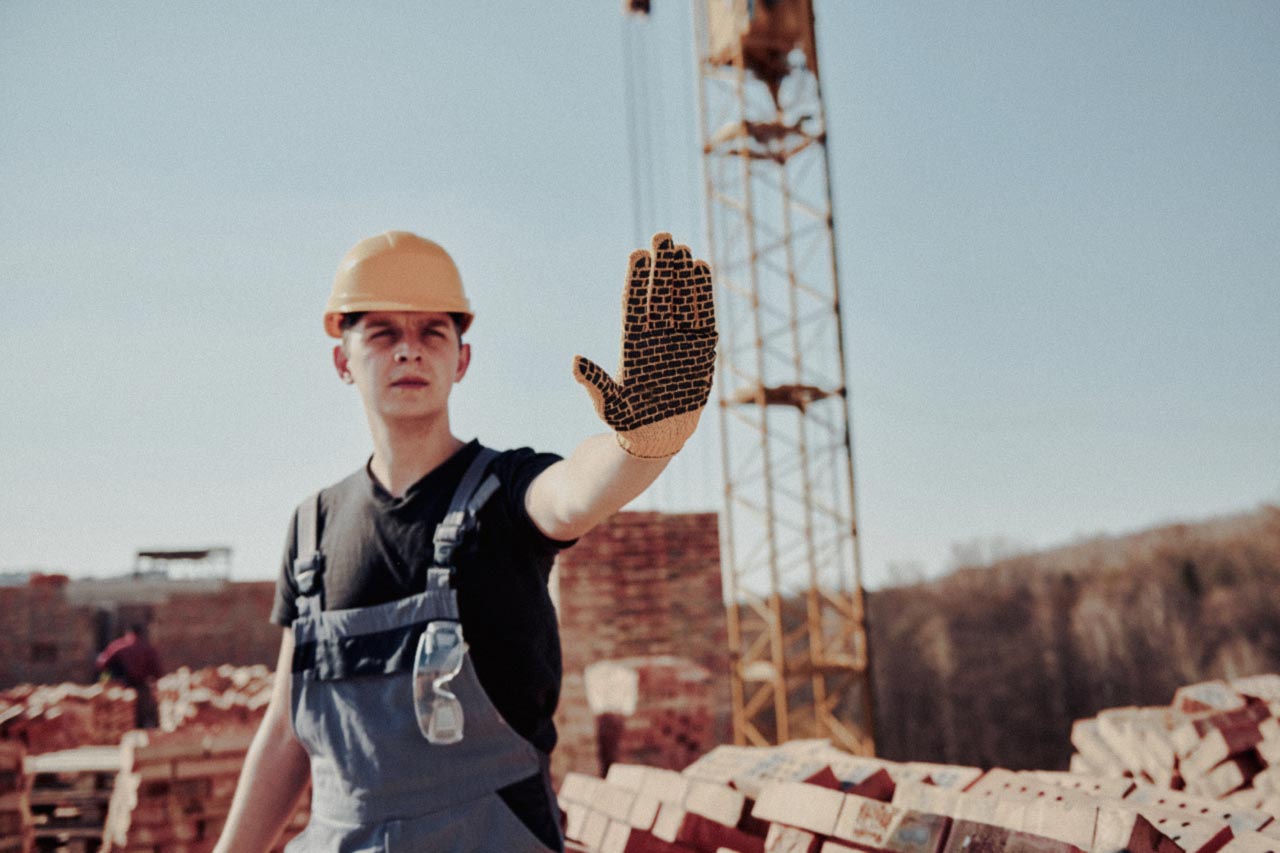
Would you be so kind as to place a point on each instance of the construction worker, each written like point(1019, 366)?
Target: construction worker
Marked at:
point(420, 662)
point(132, 661)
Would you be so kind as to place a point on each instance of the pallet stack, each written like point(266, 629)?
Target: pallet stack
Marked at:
point(16, 831)
point(65, 716)
point(175, 789)
point(1217, 740)
point(70, 790)
point(654, 710)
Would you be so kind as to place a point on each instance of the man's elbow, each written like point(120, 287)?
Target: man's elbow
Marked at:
point(567, 525)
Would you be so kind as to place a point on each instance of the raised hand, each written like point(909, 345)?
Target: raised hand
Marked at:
point(668, 352)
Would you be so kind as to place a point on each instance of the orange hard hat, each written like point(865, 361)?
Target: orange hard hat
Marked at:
point(396, 271)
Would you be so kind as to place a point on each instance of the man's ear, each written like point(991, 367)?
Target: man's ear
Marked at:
point(341, 364)
point(464, 361)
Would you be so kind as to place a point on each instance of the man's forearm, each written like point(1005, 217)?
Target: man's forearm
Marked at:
point(275, 772)
point(591, 484)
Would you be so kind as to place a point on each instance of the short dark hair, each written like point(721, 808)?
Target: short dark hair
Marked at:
point(348, 321)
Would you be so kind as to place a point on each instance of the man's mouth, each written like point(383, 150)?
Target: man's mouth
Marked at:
point(409, 382)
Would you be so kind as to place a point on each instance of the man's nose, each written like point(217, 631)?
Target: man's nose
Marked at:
point(408, 350)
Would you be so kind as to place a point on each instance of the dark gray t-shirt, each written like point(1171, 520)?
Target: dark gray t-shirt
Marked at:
point(377, 549)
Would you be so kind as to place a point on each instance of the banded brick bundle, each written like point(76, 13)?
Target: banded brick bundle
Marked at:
point(651, 710)
point(175, 789)
point(66, 716)
point(16, 831)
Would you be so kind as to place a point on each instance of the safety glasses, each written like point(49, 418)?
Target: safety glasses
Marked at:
point(439, 658)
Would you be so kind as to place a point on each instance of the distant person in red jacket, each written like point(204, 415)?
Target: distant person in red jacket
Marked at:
point(133, 661)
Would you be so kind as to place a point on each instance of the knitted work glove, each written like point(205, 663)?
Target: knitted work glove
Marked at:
point(668, 352)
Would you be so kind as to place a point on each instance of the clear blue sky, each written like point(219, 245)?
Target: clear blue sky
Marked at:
point(1058, 225)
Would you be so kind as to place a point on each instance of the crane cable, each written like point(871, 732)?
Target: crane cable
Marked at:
point(653, 208)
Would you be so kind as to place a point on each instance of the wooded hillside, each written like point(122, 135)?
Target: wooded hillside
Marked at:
point(990, 665)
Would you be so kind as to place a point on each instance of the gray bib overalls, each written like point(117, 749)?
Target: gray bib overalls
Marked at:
point(377, 783)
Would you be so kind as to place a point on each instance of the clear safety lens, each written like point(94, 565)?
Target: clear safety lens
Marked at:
point(441, 651)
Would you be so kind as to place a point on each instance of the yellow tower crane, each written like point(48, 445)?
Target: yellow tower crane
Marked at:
point(801, 663)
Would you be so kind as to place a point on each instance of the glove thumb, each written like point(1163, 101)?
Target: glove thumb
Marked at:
point(599, 384)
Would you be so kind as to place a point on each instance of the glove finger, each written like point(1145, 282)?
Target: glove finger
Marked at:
point(599, 384)
point(635, 295)
point(664, 262)
point(694, 306)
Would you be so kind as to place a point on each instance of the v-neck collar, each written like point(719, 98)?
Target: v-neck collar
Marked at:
point(455, 464)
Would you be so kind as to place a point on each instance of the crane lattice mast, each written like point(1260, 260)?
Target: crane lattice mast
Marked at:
point(797, 627)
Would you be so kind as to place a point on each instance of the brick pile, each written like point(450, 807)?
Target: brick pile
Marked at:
point(807, 797)
point(65, 716)
point(744, 799)
point(174, 790)
point(16, 831)
point(1216, 740)
point(214, 696)
point(654, 710)
point(1212, 791)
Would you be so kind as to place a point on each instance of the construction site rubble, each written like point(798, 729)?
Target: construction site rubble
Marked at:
point(1211, 790)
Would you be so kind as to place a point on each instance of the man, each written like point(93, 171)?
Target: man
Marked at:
point(420, 663)
point(133, 661)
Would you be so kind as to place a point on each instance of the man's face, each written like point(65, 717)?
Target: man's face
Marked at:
point(404, 363)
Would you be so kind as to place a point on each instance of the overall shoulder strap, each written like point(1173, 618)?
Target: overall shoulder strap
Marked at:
point(473, 491)
point(308, 565)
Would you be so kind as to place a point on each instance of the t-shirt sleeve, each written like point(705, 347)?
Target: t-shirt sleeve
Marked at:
point(285, 608)
point(517, 469)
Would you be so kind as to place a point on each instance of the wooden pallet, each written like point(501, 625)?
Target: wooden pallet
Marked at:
point(70, 791)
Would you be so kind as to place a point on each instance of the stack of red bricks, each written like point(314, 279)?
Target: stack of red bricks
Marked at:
point(639, 584)
point(654, 710)
point(65, 716)
point(1218, 739)
point(807, 797)
point(174, 790)
point(16, 832)
point(749, 800)
point(220, 695)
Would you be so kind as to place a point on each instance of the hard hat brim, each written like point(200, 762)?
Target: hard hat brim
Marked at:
point(333, 317)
